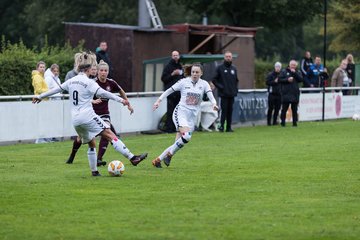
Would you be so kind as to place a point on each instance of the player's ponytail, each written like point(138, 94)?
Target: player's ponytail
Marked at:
point(103, 64)
point(86, 60)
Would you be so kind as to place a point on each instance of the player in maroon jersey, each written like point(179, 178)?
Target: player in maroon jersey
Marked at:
point(101, 108)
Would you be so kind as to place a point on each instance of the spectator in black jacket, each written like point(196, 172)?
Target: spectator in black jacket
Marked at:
point(172, 73)
point(102, 54)
point(350, 69)
point(305, 64)
point(290, 93)
point(274, 98)
point(226, 81)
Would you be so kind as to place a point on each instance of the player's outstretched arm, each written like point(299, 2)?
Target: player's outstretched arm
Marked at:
point(51, 92)
point(210, 95)
point(162, 96)
point(156, 104)
point(123, 95)
point(105, 94)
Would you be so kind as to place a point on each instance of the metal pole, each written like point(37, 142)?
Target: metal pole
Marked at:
point(323, 100)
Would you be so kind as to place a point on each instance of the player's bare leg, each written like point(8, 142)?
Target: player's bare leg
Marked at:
point(182, 137)
point(120, 147)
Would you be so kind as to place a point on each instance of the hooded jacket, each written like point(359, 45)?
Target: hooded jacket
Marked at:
point(38, 82)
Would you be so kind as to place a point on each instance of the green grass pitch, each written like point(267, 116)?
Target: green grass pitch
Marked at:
point(256, 183)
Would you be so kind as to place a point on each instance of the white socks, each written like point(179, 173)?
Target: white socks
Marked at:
point(121, 148)
point(177, 145)
point(163, 155)
point(173, 148)
point(92, 159)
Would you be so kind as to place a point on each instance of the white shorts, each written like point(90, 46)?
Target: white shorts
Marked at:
point(106, 118)
point(184, 118)
point(89, 130)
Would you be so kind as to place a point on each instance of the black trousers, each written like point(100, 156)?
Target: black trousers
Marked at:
point(226, 111)
point(274, 102)
point(172, 100)
point(284, 108)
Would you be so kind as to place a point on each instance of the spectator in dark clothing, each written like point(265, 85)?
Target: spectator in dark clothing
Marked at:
point(274, 98)
point(226, 81)
point(290, 93)
point(305, 64)
point(102, 54)
point(350, 69)
point(172, 73)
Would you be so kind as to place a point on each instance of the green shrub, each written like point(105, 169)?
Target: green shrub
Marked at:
point(17, 62)
point(262, 69)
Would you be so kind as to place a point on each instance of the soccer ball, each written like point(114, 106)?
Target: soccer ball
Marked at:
point(116, 168)
point(356, 117)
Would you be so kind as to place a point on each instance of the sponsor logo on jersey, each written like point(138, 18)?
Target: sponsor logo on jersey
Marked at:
point(80, 83)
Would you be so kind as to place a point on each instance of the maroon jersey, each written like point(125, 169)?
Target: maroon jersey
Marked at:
point(110, 86)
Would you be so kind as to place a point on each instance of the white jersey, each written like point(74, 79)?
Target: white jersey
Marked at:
point(191, 93)
point(81, 92)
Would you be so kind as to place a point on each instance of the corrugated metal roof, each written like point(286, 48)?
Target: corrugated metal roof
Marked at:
point(118, 26)
point(190, 58)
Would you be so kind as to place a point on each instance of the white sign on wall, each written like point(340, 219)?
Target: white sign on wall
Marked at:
point(336, 106)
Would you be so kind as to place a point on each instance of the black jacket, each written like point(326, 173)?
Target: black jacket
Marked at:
point(273, 87)
point(290, 91)
point(226, 80)
point(305, 65)
point(102, 55)
point(350, 70)
point(166, 77)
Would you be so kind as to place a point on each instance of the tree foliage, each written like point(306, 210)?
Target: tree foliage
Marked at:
point(344, 25)
point(272, 14)
point(17, 62)
point(282, 21)
point(286, 22)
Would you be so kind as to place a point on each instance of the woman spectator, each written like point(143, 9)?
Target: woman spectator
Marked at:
point(350, 69)
point(53, 81)
point(340, 78)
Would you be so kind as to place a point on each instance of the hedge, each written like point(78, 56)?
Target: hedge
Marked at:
point(17, 62)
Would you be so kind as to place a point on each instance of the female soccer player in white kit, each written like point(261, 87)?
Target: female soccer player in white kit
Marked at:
point(87, 124)
point(185, 114)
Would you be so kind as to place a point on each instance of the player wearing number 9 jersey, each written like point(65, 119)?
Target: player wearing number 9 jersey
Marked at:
point(85, 121)
point(185, 114)
point(101, 108)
